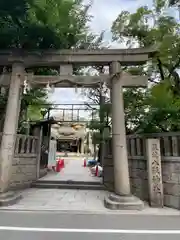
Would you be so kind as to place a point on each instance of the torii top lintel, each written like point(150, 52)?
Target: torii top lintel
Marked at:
point(135, 56)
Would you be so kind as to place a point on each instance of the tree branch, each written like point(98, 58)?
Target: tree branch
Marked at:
point(173, 68)
point(160, 69)
point(151, 80)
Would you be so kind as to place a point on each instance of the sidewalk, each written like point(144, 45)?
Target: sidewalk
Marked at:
point(73, 171)
point(77, 201)
point(89, 201)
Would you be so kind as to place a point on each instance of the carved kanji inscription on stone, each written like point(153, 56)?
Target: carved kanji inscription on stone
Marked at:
point(154, 172)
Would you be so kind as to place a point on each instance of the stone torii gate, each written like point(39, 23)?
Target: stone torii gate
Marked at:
point(65, 60)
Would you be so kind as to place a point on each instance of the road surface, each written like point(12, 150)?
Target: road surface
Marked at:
point(71, 226)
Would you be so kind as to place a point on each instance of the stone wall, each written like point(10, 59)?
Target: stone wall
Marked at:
point(139, 178)
point(170, 161)
point(42, 172)
point(24, 168)
point(171, 182)
point(108, 172)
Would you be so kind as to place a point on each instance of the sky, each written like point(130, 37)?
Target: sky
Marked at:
point(104, 12)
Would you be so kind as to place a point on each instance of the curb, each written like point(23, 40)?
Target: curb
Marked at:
point(87, 212)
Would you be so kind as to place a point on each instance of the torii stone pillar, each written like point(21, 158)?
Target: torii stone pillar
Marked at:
point(9, 134)
point(122, 198)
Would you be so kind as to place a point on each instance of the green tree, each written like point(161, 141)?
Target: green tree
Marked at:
point(173, 2)
point(31, 24)
point(57, 24)
point(158, 107)
point(101, 114)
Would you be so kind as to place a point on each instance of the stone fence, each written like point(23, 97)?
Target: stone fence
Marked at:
point(138, 165)
point(25, 168)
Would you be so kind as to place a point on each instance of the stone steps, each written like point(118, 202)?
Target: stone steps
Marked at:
point(69, 182)
point(68, 185)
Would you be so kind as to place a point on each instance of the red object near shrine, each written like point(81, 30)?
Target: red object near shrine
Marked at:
point(96, 172)
point(58, 166)
point(62, 163)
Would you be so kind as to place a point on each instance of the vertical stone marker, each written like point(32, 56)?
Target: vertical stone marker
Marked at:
point(154, 172)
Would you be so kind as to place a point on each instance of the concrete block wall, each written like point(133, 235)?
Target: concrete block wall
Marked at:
point(108, 167)
point(137, 173)
point(25, 162)
point(24, 171)
point(170, 163)
point(171, 182)
point(139, 178)
point(108, 172)
point(42, 172)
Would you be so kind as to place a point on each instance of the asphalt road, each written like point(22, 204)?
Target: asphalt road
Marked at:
point(55, 226)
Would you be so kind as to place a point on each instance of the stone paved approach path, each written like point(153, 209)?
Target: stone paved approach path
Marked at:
point(78, 201)
point(74, 171)
point(60, 199)
point(91, 201)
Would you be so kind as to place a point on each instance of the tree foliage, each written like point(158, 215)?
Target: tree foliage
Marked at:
point(173, 2)
point(31, 24)
point(158, 108)
point(43, 24)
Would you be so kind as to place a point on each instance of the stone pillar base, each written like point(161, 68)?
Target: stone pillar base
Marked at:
point(9, 198)
point(117, 202)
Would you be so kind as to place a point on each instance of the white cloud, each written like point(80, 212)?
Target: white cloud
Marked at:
point(104, 12)
point(66, 96)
